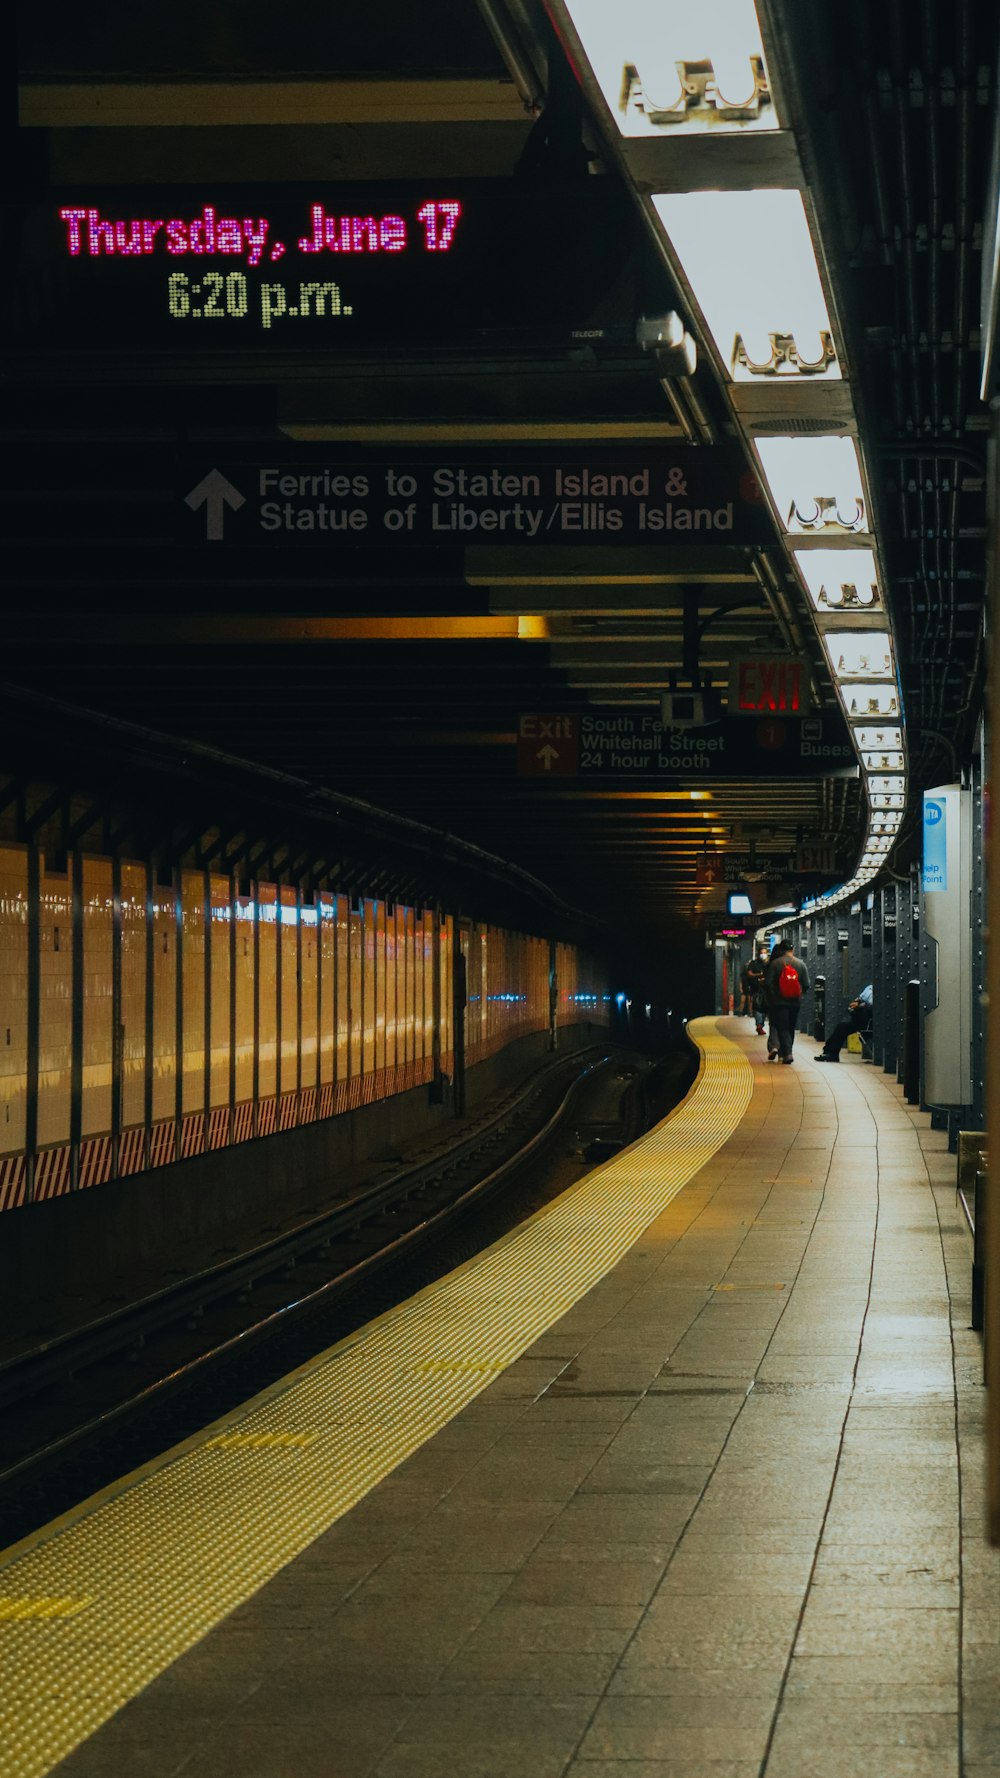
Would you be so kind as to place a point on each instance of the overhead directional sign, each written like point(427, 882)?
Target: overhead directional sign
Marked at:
point(626, 748)
point(214, 494)
point(548, 746)
point(661, 495)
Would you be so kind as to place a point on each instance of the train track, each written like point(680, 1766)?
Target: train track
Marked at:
point(80, 1408)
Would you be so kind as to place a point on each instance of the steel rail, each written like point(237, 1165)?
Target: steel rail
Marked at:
point(71, 1442)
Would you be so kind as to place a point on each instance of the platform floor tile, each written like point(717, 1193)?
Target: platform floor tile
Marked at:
point(254, 1491)
point(721, 1517)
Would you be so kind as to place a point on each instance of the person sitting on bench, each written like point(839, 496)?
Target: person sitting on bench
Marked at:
point(859, 1018)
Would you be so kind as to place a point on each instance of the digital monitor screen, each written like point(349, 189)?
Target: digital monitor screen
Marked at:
point(319, 267)
point(737, 902)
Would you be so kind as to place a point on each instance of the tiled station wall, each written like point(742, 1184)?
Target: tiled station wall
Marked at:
point(212, 1018)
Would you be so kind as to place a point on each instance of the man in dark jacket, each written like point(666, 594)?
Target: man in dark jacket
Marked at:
point(784, 972)
point(752, 989)
point(859, 1018)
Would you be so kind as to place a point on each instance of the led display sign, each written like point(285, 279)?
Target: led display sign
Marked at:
point(317, 267)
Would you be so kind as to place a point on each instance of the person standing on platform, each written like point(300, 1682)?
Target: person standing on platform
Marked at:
point(785, 982)
point(752, 989)
point(859, 1018)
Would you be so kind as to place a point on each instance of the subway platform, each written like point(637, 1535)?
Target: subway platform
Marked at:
point(681, 1479)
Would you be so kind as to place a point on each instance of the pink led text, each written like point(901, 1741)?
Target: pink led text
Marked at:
point(91, 235)
point(381, 234)
point(88, 232)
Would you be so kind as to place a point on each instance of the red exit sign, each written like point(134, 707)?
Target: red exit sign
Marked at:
point(761, 685)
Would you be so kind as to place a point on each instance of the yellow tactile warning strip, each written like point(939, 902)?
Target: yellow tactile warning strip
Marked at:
point(95, 1606)
point(258, 1441)
point(24, 1607)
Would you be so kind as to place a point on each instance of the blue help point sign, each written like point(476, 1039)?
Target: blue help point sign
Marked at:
point(935, 874)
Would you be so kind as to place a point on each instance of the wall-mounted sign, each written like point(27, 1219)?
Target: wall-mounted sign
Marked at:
point(769, 685)
point(935, 869)
point(843, 937)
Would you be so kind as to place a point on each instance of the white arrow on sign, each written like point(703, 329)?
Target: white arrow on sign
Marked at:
point(215, 493)
point(547, 754)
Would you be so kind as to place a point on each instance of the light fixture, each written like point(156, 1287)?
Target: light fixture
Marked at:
point(749, 259)
point(675, 353)
point(885, 783)
point(839, 579)
point(879, 800)
point(870, 699)
point(888, 734)
point(667, 64)
point(815, 483)
point(859, 654)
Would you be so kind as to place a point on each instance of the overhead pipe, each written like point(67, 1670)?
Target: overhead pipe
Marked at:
point(876, 166)
point(779, 604)
point(517, 59)
point(963, 231)
point(899, 34)
point(933, 110)
point(688, 410)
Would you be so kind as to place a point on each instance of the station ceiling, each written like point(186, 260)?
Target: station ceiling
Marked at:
point(402, 671)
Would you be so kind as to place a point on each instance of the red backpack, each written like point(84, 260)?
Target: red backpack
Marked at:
point(789, 986)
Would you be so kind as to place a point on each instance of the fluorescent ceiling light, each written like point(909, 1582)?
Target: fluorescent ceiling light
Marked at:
point(879, 800)
point(749, 259)
point(666, 64)
point(885, 734)
point(815, 483)
point(880, 782)
point(870, 699)
point(883, 762)
point(839, 579)
point(857, 654)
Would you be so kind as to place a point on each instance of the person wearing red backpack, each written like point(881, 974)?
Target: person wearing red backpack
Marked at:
point(786, 981)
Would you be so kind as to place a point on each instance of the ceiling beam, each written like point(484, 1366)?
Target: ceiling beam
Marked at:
point(58, 104)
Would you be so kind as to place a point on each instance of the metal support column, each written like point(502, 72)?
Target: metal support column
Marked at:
point(117, 1027)
point(76, 1021)
point(178, 1013)
point(147, 1047)
point(255, 1088)
point(33, 1021)
point(206, 1077)
point(233, 955)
